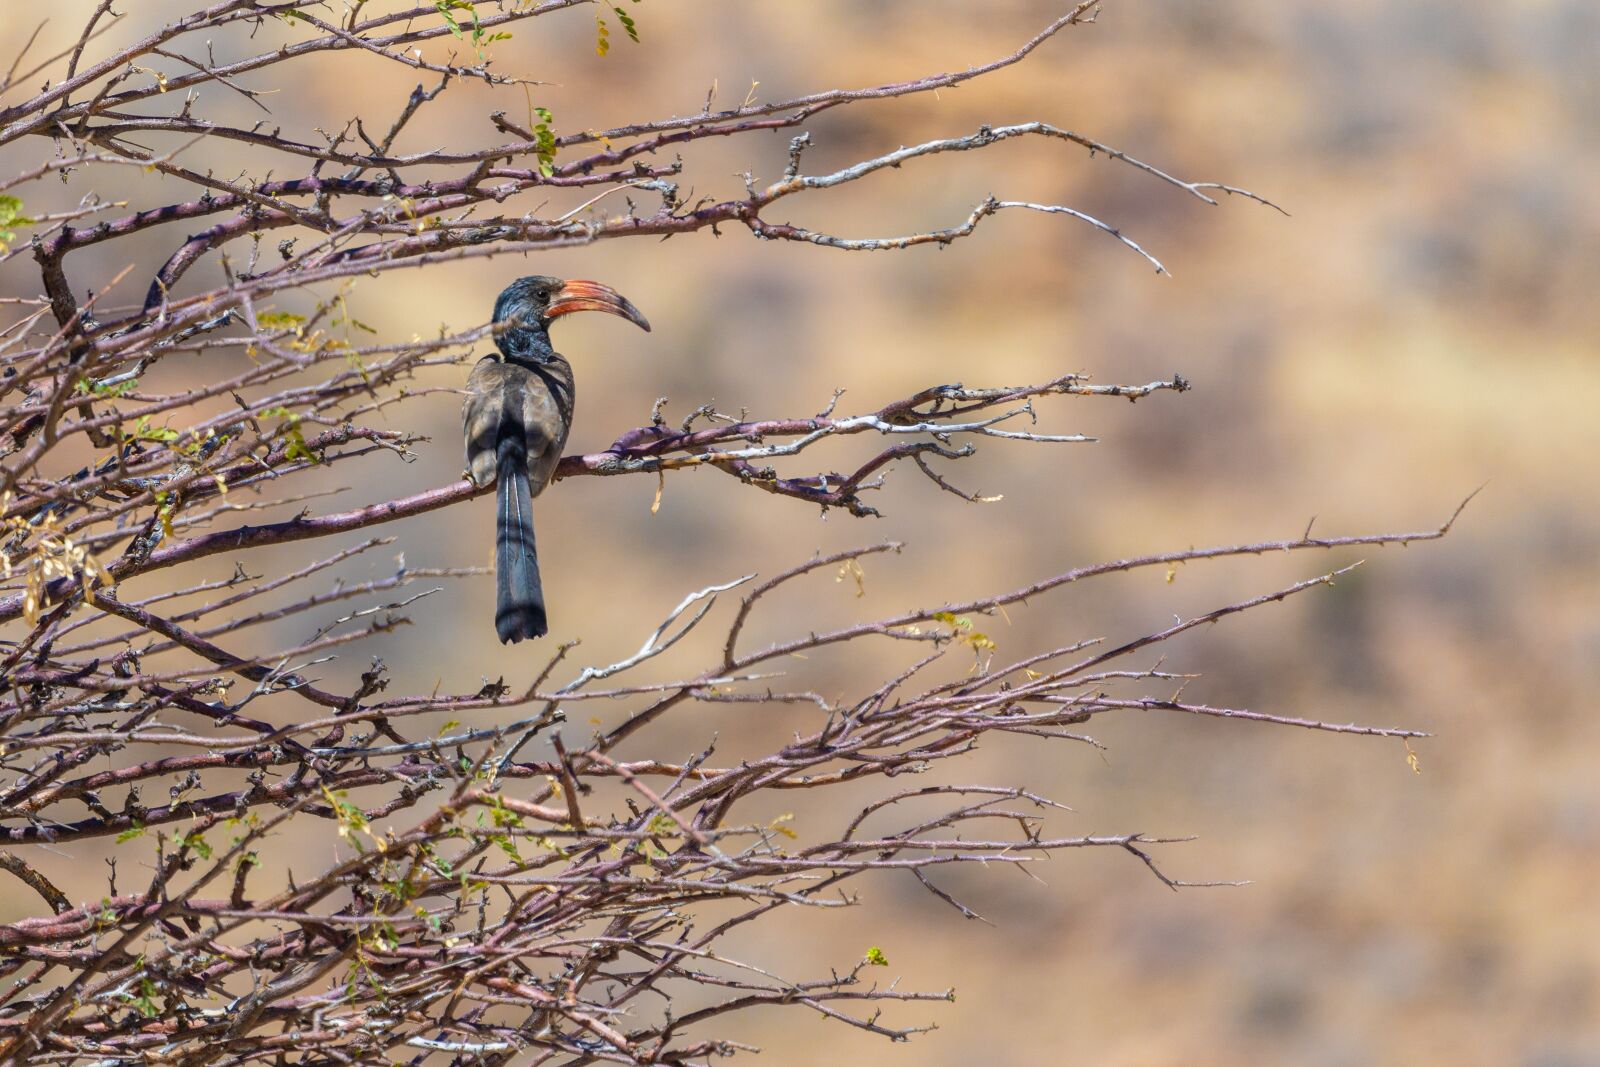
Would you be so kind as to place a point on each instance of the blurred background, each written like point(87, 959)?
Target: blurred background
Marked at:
point(1423, 323)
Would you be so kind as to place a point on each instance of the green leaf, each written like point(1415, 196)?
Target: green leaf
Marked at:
point(10, 215)
point(876, 957)
point(507, 846)
point(143, 431)
point(628, 24)
point(545, 141)
point(198, 843)
point(136, 830)
point(296, 447)
point(109, 392)
point(145, 1002)
point(444, 7)
point(275, 319)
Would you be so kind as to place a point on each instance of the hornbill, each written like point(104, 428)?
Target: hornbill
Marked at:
point(515, 420)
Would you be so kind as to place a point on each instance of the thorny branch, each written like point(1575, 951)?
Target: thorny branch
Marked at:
point(572, 916)
point(491, 899)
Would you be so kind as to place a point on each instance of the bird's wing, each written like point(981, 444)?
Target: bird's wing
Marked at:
point(480, 417)
point(547, 405)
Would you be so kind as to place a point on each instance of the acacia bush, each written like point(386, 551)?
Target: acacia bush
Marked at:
point(491, 893)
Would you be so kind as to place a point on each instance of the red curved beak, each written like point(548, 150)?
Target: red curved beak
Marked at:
point(579, 295)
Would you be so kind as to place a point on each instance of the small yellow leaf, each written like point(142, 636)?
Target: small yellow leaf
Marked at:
point(851, 568)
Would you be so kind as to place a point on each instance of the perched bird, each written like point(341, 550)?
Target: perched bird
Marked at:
point(515, 420)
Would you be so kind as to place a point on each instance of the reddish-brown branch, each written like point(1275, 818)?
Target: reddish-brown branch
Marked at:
point(479, 904)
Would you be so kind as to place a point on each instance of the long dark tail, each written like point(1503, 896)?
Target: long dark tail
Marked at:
point(519, 598)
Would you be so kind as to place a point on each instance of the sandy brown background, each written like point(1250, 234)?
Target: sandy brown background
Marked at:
point(1425, 322)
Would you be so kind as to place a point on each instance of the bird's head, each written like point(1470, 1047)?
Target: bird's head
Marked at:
point(528, 305)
